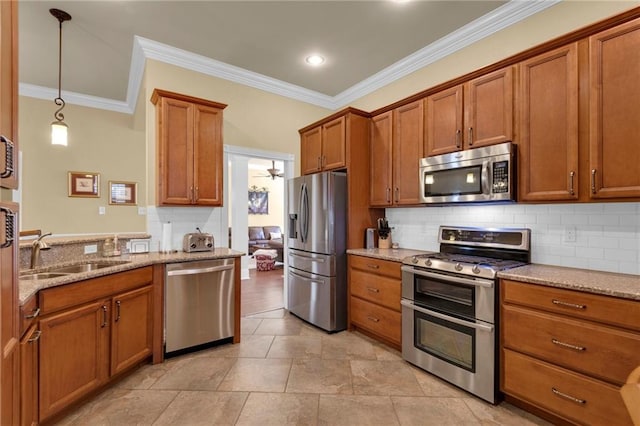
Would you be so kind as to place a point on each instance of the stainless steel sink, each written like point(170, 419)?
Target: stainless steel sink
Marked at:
point(42, 275)
point(86, 267)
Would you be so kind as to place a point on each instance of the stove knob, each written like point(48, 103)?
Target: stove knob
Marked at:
point(428, 262)
point(458, 267)
point(414, 260)
point(476, 269)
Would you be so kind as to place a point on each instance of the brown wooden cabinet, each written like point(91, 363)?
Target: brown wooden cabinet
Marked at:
point(9, 94)
point(91, 331)
point(396, 143)
point(614, 151)
point(189, 150)
point(374, 298)
point(477, 113)
point(567, 352)
point(29, 345)
point(548, 123)
point(324, 147)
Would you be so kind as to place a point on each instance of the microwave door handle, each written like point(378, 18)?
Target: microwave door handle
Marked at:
point(484, 179)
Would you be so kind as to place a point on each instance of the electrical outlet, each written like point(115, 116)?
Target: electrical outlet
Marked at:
point(102, 210)
point(142, 211)
point(93, 248)
point(570, 234)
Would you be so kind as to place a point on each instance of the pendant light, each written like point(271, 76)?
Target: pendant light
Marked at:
point(58, 127)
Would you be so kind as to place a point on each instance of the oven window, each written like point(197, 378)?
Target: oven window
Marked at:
point(460, 181)
point(445, 296)
point(450, 342)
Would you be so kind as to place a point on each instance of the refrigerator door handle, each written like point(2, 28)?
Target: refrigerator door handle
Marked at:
point(310, 280)
point(305, 214)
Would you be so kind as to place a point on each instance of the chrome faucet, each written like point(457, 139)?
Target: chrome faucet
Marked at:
point(38, 245)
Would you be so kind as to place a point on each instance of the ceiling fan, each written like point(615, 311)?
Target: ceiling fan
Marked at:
point(273, 172)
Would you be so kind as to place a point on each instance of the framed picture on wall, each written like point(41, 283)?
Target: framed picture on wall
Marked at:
point(123, 193)
point(258, 202)
point(84, 184)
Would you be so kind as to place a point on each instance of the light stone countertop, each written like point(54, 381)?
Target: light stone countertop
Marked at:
point(31, 287)
point(606, 283)
point(53, 240)
point(394, 255)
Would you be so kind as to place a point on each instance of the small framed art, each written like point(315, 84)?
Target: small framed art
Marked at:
point(123, 193)
point(84, 184)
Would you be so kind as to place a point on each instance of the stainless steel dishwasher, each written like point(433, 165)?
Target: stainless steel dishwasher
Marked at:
point(199, 304)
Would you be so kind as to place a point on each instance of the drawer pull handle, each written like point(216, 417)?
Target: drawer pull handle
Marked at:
point(372, 266)
point(36, 336)
point(374, 319)
point(568, 345)
point(569, 397)
point(33, 314)
point(568, 304)
point(373, 290)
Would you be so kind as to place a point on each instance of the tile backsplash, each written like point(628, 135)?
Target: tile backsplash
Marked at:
point(607, 235)
point(185, 220)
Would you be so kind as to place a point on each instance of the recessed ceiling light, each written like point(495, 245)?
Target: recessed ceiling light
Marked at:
point(314, 60)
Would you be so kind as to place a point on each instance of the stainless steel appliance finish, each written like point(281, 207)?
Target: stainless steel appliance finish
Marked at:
point(317, 268)
point(197, 241)
point(449, 314)
point(475, 175)
point(199, 303)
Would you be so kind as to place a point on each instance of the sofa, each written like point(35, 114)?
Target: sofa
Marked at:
point(267, 238)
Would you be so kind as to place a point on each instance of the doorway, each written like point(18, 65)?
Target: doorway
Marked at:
point(261, 175)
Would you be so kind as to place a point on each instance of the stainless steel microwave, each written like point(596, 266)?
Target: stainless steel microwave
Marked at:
point(475, 175)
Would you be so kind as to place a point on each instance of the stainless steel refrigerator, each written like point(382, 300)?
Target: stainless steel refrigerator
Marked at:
point(317, 234)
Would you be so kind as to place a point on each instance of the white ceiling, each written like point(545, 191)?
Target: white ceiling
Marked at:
point(367, 44)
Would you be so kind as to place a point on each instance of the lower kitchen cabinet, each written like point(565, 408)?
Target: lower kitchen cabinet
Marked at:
point(567, 353)
point(29, 376)
point(91, 331)
point(374, 298)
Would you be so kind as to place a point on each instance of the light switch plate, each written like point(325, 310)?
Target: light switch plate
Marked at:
point(102, 210)
point(93, 248)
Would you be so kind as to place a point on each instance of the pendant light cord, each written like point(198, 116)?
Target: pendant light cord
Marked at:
point(61, 16)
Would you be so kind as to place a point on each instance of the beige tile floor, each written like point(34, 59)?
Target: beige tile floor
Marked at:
point(286, 372)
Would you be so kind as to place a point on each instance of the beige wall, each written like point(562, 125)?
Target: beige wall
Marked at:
point(99, 141)
point(553, 22)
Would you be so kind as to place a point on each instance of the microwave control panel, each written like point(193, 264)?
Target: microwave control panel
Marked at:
point(500, 177)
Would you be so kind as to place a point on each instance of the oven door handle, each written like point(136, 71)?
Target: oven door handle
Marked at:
point(482, 327)
point(455, 280)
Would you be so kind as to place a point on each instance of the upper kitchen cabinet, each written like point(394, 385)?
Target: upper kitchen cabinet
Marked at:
point(189, 150)
point(396, 143)
point(9, 94)
point(548, 123)
point(330, 143)
point(470, 115)
point(614, 151)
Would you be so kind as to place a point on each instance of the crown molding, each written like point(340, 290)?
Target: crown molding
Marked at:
point(510, 13)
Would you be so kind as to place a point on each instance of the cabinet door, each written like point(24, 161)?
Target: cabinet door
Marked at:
point(29, 377)
point(381, 155)
point(207, 154)
point(334, 146)
point(131, 331)
point(311, 151)
point(9, 94)
point(408, 134)
point(9, 337)
point(549, 126)
point(175, 152)
point(444, 122)
point(614, 112)
point(489, 109)
point(74, 355)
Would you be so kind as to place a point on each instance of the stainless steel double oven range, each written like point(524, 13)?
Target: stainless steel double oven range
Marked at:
point(449, 305)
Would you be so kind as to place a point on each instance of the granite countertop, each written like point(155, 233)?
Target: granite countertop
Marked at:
point(133, 261)
point(27, 242)
point(606, 283)
point(394, 255)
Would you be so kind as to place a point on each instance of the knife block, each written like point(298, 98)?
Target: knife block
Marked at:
point(384, 243)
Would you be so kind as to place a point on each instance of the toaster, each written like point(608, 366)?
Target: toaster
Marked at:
point(197, 241)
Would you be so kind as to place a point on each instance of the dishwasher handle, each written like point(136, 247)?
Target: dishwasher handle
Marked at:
point(194, 271)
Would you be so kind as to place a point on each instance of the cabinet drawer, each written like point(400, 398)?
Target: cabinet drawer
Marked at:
point(579, 345)
point(378, 289)
point(609, 310)
point(28, 314)
point(570, 395)
point(379, 320)
point(377, 266)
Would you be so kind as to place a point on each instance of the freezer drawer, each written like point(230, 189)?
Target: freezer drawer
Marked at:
point(315, 263)
point(199, 303)
point(318, 299)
